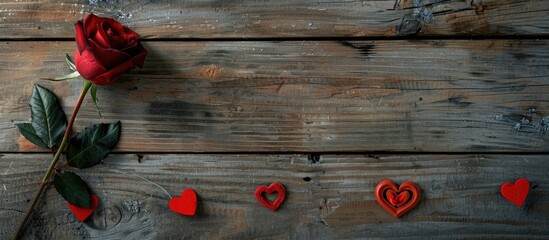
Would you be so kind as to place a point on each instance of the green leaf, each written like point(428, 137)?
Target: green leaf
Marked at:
point(93, 93)
point(68, 76)
point(72, 188)
point(92, 145)
point(70, 62)
point(28, 132)
point(74, 74)
point(47, 117)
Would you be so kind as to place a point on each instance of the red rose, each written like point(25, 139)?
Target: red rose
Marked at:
point(106, 49)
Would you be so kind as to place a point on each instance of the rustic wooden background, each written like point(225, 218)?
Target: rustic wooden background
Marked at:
point(326, 97)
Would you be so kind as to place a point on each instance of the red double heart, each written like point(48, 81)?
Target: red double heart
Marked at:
point(83, 213)
point(186, 204)
point(516, 193)
point(274, 187)
point(397, 200)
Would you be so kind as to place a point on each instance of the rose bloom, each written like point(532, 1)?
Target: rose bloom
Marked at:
point(106, 49)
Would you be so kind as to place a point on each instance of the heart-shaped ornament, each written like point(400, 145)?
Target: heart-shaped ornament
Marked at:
point(186, 204)
point(83, 213)
point(274, 187)
point(397, 200)
point(516, 193)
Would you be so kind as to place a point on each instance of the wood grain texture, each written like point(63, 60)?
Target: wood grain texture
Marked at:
point(303, 96)
point(281, 19)
point(331, 197)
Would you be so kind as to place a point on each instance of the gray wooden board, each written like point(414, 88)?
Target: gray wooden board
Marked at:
point(282, 18)
point(313, 96)
point(329, 198)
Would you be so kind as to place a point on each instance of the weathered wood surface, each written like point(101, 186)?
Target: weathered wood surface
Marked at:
point(315, 96)
point(282, 18)
point(328, 197)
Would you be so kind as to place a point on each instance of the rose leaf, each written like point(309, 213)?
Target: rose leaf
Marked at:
point(28, 132)
point(72, 188)
point(48, 121)
point(92, 145)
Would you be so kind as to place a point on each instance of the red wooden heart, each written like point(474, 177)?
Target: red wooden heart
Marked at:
point(516, 193)
point(397, 200)
point(83, 213)
point(274, 187)
point(186, 204)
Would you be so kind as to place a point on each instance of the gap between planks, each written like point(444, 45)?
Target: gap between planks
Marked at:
point(292, 39)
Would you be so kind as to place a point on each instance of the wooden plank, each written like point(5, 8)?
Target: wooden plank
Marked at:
point(283, 18)
point(329, 198)
point(440, 96)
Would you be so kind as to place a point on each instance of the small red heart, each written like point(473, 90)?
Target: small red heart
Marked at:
point(274, 187)
point(516, 193)
point(83, 213)
point(397, 200)
point(186, 204)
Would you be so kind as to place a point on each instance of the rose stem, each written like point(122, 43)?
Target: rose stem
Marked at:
point(47, 176)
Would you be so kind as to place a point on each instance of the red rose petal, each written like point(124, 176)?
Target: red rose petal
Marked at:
point(108, 57)
point(81, 42)
point(117, 28)
point(117, 41)
point(102, 38)
point(111, 76)
point(87, 65)
point(91, 23)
